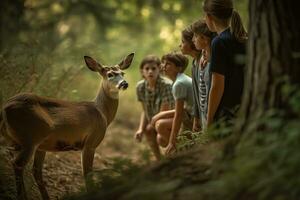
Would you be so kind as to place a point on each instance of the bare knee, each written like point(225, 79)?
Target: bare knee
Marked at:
point(161, 141)
point(149, 131)
point(161, 126)
point(149, 128)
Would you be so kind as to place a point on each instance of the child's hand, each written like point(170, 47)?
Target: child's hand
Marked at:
point(138, 136)
point(171, 148)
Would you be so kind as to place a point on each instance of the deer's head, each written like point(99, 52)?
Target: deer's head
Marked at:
point(112, 75)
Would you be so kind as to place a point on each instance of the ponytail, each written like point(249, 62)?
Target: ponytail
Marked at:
point(237, 28)
point(224, 14)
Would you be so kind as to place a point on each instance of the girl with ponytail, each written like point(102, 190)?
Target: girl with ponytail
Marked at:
point(227, 49)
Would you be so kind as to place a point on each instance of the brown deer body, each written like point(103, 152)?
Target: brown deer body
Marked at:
point(39, 124)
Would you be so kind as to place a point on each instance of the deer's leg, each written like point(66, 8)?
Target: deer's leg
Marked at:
point(20, 162)
point(87, 156)
point(37, 172)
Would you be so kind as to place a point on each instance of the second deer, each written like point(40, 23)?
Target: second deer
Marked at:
point(39, 124)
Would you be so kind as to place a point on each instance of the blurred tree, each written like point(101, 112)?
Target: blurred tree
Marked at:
point(11, 19)
point(274, 52)
point(46, 15)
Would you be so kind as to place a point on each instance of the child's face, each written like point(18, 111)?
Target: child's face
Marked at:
point(200, 41)
point(150, 71)
point(169, 68)
point(185, 47)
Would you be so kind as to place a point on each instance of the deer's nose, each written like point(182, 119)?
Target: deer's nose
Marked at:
point(123, 85)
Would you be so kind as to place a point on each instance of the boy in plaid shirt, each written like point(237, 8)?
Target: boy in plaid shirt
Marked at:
point(155, 95)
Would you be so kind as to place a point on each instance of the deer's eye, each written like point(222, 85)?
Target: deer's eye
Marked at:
point(110, 75)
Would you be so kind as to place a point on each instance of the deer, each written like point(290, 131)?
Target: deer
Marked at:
point(37, 124)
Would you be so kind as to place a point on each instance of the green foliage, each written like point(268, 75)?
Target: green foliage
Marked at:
point(117, 172)
point(216, 132)
point(187, 139)
point(267, 161)
point(42, 50)
point(26, 70)
point(109, 176)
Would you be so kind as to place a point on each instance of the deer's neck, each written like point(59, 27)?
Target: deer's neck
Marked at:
point(107, 101)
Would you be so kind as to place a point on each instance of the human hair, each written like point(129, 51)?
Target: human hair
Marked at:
point(200, 27)
point(187, 34)
point(224, 13)
point(150, 59)
point(178, 59)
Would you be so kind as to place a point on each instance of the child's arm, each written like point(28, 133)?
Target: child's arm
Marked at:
point(162, 115)
point(179, 109)
point(215, 95)
point(142, 126)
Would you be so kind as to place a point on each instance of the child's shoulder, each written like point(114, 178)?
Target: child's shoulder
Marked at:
point(165, 81)
point(185, 77)
point(141, 84)
point(183, 80)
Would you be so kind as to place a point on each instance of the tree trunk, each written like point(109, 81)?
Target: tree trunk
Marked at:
point(273, 53)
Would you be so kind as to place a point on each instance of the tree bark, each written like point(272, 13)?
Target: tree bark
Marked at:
point(273, 52)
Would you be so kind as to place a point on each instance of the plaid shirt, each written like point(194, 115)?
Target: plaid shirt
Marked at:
point(152, 101)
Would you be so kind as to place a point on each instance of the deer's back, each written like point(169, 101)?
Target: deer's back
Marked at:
point(36, 119)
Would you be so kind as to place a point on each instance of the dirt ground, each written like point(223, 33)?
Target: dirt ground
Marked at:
point(62, 171)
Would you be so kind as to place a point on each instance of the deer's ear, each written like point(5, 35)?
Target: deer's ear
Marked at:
point(126, 62)
point(93, 64)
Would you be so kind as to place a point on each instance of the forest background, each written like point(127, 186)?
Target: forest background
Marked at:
point(41, 51)
point(43, 43)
